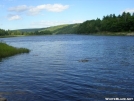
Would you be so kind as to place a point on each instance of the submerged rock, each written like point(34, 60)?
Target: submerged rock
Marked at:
point(3, 99)
point(84, 60)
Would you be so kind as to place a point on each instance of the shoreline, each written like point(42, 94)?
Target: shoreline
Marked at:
point(116, 33)
point(8, 36)
point(98, 34)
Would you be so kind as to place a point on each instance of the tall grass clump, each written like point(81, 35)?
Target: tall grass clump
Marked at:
point(7, 50)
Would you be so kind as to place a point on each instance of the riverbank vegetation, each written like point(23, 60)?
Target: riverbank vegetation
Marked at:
point(122, 24)
point(6, 50)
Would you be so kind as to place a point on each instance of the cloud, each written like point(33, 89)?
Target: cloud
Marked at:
point(78, 21)
point(48, 7)
point(56, 7)
point(129, 10)
point(43, 23)
point(47, 23)
point(34, 10)
point(20, 8)
point(13, 17)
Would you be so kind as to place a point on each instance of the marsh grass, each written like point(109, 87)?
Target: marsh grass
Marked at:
point(7, 50)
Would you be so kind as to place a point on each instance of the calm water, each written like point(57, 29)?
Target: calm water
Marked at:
point(54, 71)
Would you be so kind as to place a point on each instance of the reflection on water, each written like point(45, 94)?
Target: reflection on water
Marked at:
point(69, 67)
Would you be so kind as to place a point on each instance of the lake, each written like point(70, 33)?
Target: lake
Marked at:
point(69, 68)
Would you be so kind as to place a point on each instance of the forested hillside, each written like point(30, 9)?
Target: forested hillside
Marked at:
point(109, 23)
point(3, 32)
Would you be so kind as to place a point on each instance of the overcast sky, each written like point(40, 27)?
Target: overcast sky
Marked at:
point(19, 14)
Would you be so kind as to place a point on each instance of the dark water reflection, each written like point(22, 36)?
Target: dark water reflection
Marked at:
point(53, 70)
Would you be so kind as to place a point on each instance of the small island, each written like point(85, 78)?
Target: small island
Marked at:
point(7, 50)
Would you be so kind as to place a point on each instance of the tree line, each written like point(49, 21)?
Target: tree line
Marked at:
point(109, 23)
point(17, 32)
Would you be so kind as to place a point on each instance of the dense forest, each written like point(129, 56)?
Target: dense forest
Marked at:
point(3, 32)
point(109, 23)
point(123, 23)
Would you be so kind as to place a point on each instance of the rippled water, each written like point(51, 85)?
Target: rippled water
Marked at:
point(55, 69)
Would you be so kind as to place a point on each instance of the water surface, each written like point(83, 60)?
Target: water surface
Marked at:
point(54, 69)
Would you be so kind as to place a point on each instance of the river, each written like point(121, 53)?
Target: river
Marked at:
point(69, 68)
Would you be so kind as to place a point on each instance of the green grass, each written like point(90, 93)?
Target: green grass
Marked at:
point(6, 50)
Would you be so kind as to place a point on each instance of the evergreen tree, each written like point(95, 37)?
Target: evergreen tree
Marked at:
point(109, 23)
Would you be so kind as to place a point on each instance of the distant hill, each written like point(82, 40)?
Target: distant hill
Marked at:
point(63, 29)
point(29, 30)
point(60, 29)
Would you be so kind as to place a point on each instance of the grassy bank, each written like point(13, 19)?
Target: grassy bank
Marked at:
point(6, 50)
point(7, 36)
point(116, 33)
